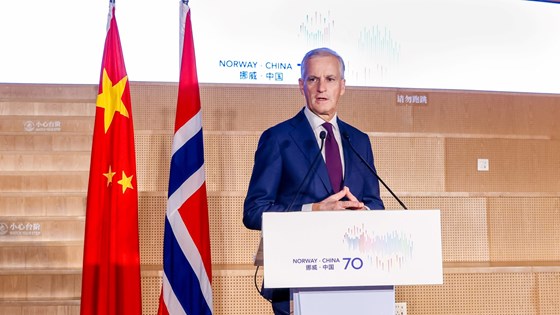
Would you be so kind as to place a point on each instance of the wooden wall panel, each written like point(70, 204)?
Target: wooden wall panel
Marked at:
point(549, 293)
point(411, 164)
point(236, 295)
point(36, 255)
point(524, 229)
point(45, 142)
point(31, 286)
point(229, 108)
point(516, 165)
point(232, 243)
point(72, 142)
point(72, 182)
point(48, 92)
point(41, 309)
point(46, 204)
point(229, 161)
point(153, 158)
point(471, 112)
point(151, 222)
point(375, 110)
point(154, 106)
point(474, 294)
point(151, 290)
point(12, 310)
point(427, 154)
point(46, 108)
point(49, 161)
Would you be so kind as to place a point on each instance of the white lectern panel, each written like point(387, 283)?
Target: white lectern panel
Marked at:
point(352, 248)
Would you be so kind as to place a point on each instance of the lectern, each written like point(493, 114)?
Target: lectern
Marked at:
point(348, 262)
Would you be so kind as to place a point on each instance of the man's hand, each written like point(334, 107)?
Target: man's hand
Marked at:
point(334, 202)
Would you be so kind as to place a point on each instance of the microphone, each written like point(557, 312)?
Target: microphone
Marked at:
point(322, 135)
point(347, 137)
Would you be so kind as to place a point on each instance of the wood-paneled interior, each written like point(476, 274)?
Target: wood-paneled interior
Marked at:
point(501, 245)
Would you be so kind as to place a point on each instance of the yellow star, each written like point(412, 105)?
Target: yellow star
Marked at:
point(109, 176)
point(111, 98)
point(126, 182)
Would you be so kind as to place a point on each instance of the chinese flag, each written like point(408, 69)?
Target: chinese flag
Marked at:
point(111, 270)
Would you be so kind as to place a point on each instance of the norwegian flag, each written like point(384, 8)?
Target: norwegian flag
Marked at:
point(187, 266)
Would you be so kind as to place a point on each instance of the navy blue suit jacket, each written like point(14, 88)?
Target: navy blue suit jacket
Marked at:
point(284, 155)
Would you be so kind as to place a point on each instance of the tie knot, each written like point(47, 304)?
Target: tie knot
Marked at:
point(329, 127)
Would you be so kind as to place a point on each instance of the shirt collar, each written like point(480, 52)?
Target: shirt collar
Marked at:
point(317, 122)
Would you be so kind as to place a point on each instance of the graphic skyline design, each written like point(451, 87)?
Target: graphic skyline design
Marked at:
point(375, 41)
point(379, 54)
point(390, 251)
point(317, 29)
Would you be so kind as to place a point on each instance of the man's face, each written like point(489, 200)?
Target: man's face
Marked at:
point(322, 85)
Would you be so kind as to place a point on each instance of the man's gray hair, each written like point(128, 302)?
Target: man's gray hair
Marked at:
point(323, 51)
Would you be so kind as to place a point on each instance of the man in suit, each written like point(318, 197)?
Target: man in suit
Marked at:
point(289, 151)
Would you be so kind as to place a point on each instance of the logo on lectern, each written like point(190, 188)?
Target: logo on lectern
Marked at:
point(387, 251)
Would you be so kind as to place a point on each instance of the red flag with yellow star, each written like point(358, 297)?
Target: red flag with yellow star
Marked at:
point(111, 266)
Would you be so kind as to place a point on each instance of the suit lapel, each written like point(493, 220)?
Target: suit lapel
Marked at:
point(303, 136)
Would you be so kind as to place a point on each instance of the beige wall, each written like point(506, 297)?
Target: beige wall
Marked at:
point(500, 236)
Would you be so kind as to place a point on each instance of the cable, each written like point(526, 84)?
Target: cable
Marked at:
point(264, 297)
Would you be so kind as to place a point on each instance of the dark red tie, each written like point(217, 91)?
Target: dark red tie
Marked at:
point(332, 159)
